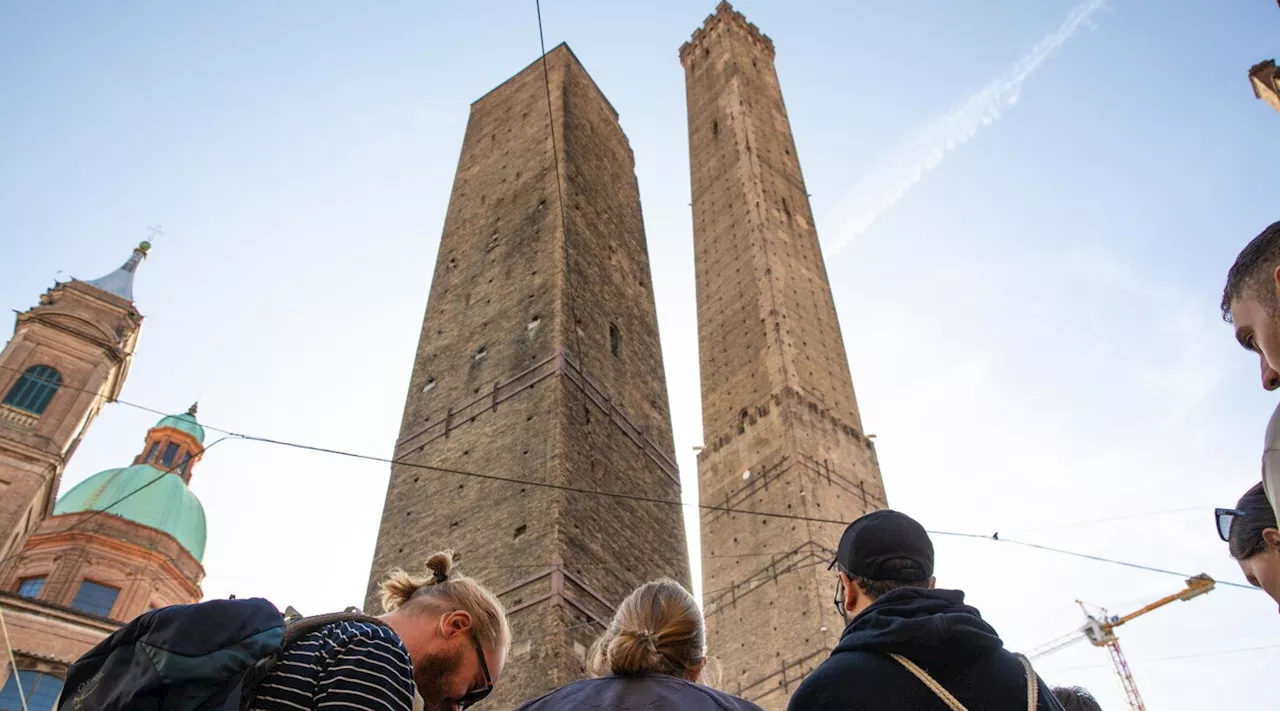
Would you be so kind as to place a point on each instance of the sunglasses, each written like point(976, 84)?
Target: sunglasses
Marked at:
point(1224, 518)
point(471, 698)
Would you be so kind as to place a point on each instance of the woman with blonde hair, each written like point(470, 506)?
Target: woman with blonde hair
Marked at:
point(651, 657)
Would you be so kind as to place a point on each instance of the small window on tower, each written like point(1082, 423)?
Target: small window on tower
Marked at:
point(615, 339)
point(151, 452)
point(715, 128)
point(170, 452)
point(34, 389)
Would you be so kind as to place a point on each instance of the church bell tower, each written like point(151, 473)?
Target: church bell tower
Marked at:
point(69, 354)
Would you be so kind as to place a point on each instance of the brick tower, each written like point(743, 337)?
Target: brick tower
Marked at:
point(68, 356)
point(539, 359)
point(780, 421)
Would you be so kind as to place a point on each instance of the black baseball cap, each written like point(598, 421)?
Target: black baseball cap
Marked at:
point(878, 538)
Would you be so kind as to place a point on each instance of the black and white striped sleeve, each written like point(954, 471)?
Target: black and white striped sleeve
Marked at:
point(370, 672)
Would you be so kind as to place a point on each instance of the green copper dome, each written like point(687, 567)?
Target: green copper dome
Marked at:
point(163, 503)
point(185, 422)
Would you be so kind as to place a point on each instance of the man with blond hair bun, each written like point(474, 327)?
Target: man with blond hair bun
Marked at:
point(445, 634)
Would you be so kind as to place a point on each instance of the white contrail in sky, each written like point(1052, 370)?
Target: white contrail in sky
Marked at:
point(893, 176)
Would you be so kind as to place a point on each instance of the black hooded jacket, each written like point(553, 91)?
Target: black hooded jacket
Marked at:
point(942, 635)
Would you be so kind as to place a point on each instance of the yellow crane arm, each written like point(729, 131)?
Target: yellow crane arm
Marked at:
point(1198, 585)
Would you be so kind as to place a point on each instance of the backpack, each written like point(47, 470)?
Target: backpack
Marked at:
point(207, 656)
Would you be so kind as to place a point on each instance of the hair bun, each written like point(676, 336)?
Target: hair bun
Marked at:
point(440, 565)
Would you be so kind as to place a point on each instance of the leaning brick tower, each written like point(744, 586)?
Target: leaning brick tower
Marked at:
point(780, 421)
point(539, 360)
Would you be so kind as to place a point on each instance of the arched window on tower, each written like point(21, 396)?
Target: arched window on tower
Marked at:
point(39, 690)
point(34, 389)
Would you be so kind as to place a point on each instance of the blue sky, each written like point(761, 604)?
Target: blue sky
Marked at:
point(1032, 327)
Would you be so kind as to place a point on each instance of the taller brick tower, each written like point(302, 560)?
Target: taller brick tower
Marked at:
point(539, 359)
point(779, 418)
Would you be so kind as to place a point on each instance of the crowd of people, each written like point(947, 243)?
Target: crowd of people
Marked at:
point(443, 640)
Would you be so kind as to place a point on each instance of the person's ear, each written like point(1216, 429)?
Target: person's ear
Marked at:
point(851, 592)
point(696, 670)
point(455, 623)
point(1271, 536)
point(931, 583)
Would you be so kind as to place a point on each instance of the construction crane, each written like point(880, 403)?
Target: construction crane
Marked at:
point(1100, 630)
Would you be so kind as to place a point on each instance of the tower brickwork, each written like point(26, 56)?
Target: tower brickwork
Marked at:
point(68, 356)
point(1265, 78)
point(781, 426)
point(539, 360)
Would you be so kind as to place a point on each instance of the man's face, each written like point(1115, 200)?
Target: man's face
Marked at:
point(452, 668)
point(1257, 330)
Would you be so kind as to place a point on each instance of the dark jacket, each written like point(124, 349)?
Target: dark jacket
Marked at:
point(937, 631)
point(657, 692)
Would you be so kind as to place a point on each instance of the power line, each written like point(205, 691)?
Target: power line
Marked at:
point(1108, 519)
point(712, 507)
point(1218, 653)
point(1103, 559)
point(650, 499)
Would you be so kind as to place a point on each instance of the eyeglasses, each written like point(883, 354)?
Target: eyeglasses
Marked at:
point(1224, 518)
point(471, 698)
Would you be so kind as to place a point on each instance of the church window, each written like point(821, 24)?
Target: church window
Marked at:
point(151, 452)
point(186, 462)
point(615, 339)
point(34, 389)
point(95, 598)
point(40, 691)
point(31, 587)
point(170, 451)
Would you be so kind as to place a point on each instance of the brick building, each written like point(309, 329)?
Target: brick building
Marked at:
point(780, 421)
point(1265, 78)
point(123, 541)
point(539, 360)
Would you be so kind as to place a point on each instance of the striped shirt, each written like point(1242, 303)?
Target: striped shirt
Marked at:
point(345, 665)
